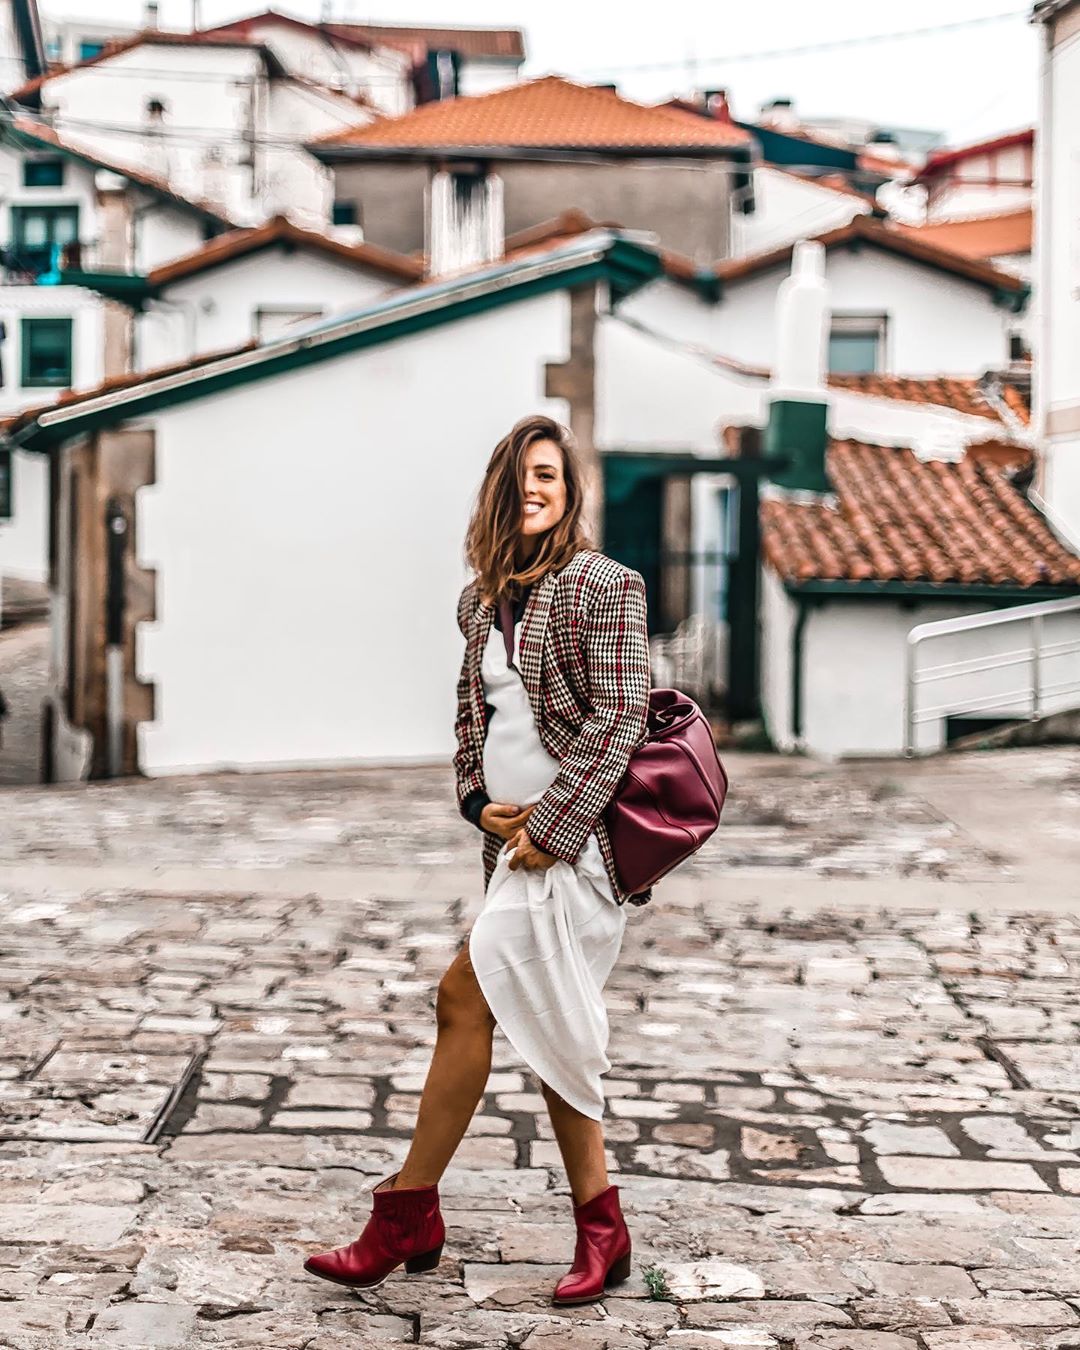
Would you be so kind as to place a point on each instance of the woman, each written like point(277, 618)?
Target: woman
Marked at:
point(552, 701)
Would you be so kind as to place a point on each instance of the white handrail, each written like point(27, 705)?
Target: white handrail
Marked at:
point(1033, 656)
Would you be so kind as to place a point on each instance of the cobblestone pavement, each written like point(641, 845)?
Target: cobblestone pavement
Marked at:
point(22, 680)
point(850, 1126)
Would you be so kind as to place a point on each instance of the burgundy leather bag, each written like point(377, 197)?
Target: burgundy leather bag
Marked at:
point(670, 798)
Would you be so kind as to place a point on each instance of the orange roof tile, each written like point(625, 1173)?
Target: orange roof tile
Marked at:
point(281, 231)
point(550, 112)
point(964, 394)
point(897, 518)
point(980, 236)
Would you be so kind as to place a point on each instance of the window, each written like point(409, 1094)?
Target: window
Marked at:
point(857, 344)
point(345, 213)
point(43, 172)
point(272, 321)
point(38, 231)
point(88, 49)
point(46, 353)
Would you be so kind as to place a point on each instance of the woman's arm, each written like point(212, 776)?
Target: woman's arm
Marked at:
point(616, 644)
point(468, 758)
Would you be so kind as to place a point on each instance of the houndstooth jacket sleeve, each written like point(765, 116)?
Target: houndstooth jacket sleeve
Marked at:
point(616, 648)
point(468, 757)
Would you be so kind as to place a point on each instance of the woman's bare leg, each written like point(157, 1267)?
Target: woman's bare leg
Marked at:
point(581, 1144)
point(456, 1079)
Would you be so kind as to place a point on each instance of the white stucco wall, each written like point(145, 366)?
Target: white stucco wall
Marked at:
point(162, 233)
point(24, 539)
point(307, 535)
point(1057, 366)
point(204, 149)
point(786, 208)
point(381, 74)
point(853, 667)
point(937, 324)
point(483, 76)
point(217, 309)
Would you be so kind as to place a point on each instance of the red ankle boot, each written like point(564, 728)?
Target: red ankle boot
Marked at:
point(602, 1254)
point(405, 1226)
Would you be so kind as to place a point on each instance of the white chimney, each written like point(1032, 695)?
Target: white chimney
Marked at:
point(802, 324)
point(780, 114)
point(466, 222)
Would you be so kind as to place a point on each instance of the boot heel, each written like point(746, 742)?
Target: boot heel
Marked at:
point(620, 1271)
point(415, 1265)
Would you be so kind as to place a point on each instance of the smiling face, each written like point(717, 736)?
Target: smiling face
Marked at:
point(544, 496)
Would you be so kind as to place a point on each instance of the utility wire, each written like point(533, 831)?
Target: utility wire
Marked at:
point(811, 48)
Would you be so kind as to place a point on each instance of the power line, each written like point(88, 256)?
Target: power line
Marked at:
point(810, 48)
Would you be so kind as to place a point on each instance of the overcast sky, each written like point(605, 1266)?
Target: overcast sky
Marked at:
point(967, 83)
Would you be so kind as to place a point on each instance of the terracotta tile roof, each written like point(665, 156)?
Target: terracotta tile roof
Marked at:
point(863, 229)
point(964, 394)
point(503, 43)
point(40, 134)
point(550, 112)
point(980, 236)
point(897, 518)
point(940, 161)
point(281, 231)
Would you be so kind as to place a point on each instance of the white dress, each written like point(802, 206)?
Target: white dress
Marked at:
point(545, 941)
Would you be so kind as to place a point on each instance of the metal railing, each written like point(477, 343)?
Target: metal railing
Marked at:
point(1034, 696)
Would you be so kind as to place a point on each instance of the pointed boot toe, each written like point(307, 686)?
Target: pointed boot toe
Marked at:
point(405, 1228)
point(602, 1252)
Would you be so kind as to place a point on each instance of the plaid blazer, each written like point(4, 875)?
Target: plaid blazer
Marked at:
point(584, 659)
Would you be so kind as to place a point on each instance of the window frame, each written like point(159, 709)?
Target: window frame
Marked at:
point(27, 324)
point(864, 324)
point(40, 161)
point(52, 211)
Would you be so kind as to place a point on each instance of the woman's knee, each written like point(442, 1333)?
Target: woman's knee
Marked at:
point(460, 1000)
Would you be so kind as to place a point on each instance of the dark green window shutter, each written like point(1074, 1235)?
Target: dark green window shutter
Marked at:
point(6, 507)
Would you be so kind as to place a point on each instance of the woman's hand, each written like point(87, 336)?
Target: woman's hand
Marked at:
point(503, 819)
point(527, 855)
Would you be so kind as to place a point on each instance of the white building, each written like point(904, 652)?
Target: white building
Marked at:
point(899, 306)
point(302, 465)
point(986, 178)
point(218, 117)
point(1057, 341)
point(790, 206)
point(254, 285)
point(56, 198)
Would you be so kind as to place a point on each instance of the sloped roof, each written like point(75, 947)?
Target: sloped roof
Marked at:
point(864, 230)
point(939, 161)
point(280, 231)
point(472, 42)
point(963, 394)
point(37, 134)
point(897, 518)
point(988, 236)
point(152, 37)
point(550, 112)
point(601, 255)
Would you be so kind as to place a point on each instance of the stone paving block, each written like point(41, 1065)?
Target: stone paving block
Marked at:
point(145, 1325)
point(923, 1281)
point(692, 1281)
point(57, 1223)
point(888, 1136)
point(1014, 1312)
point(971, 1338)
point(784, 1318)
point(892, 1314)
point(961, 1174)
point(856, 1340)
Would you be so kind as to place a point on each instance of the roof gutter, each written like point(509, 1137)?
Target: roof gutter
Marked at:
point(401, 315)
point(1008, 593)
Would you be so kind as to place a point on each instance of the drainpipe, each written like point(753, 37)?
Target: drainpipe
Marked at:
point(116, 526)
point(797, 643)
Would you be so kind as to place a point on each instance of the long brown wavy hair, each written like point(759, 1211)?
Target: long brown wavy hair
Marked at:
point(494, 531)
